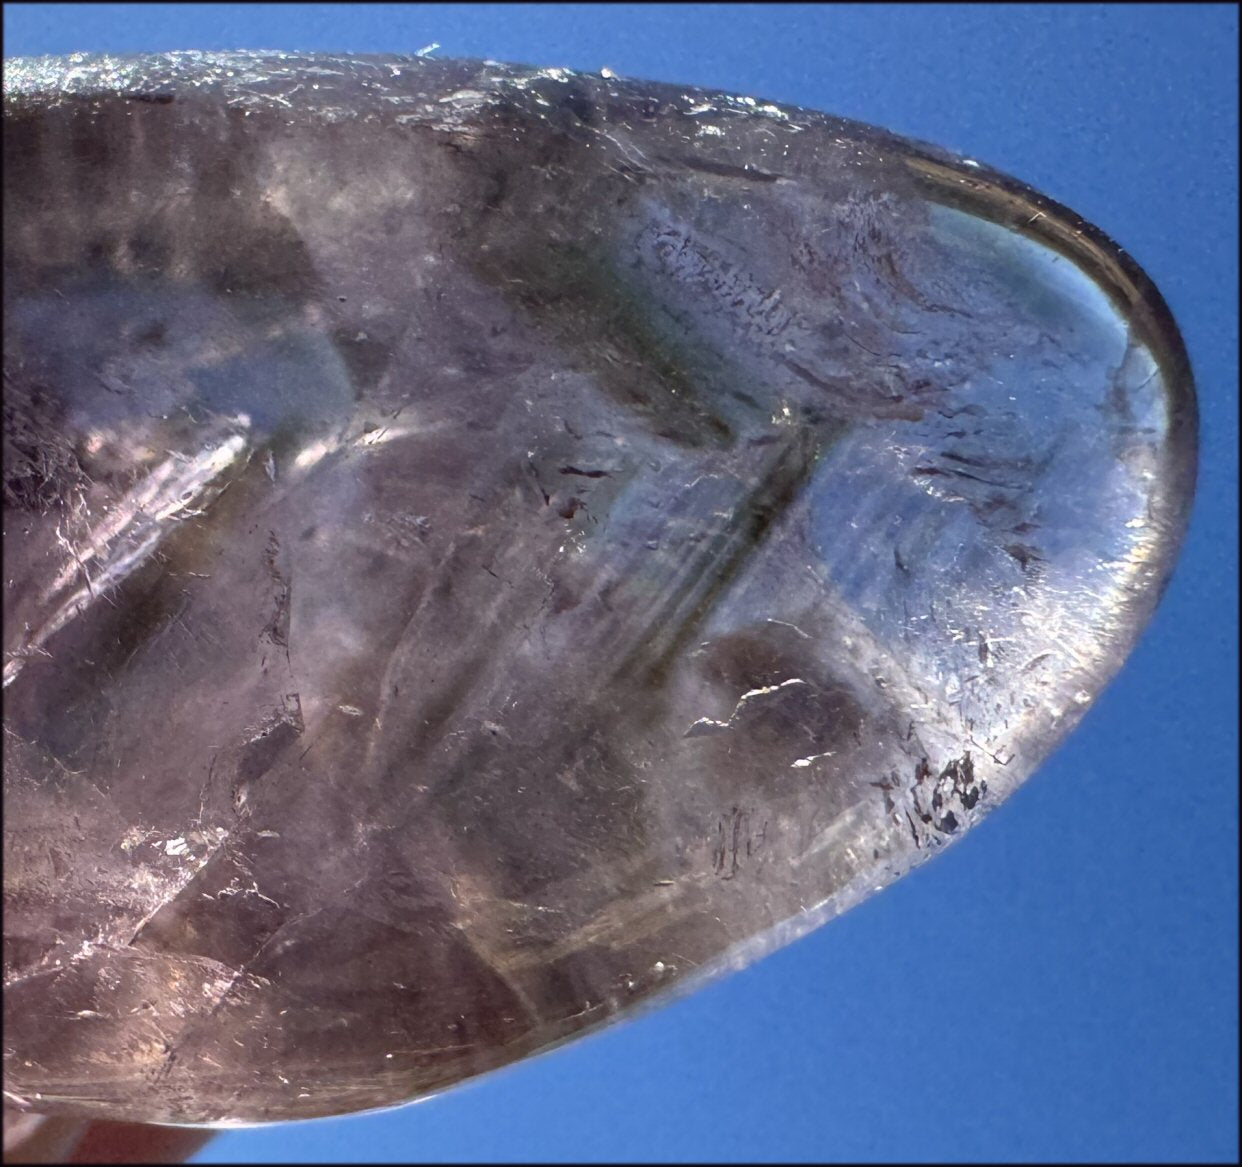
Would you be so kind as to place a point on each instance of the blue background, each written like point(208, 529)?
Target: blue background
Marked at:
point(1062, 984)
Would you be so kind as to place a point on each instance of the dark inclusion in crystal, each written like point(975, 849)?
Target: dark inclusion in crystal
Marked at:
point(485, 546)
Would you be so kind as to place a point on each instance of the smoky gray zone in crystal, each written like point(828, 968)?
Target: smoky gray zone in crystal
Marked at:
point(483, 547)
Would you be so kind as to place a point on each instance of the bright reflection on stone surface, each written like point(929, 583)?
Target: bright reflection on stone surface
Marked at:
point(484, 547)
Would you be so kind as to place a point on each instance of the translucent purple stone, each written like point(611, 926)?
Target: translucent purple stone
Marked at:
point(484, 547)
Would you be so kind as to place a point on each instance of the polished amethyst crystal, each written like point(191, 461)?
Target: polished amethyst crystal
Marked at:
point(486, 546)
